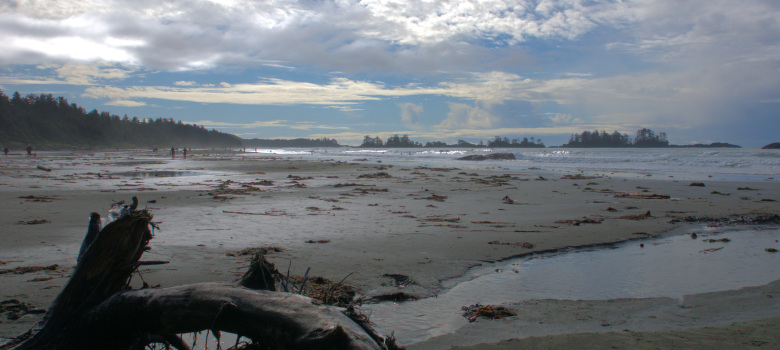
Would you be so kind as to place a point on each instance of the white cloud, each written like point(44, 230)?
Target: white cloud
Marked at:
point(410, 114)
point(462, 116)
point(268, 124)
point(351, 34)
point(419, 22)
point(73, 74)
point(53, 9)
point(254, 124)
point(31, 81)
point(88, 74)
point(316, 126)
point(125, 103)
point(564, 119)
point(371, 34)
point(278, 65)
point(339, 93)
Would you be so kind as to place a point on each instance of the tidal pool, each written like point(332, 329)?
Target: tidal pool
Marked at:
point(672, 266)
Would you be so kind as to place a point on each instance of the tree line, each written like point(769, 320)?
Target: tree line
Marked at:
point(393, 141)
point(45, 121)
point(644, 138)
point(499, 142)
point(404, 141)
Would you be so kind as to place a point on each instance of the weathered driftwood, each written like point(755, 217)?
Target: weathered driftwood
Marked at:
point(97, 310)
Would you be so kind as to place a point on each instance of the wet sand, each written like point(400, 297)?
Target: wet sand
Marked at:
point(362, 221)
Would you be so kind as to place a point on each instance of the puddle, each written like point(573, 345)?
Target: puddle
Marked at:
point(161, 173)
point(666, 267)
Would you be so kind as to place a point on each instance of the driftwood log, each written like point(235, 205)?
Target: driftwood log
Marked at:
point(96, 309)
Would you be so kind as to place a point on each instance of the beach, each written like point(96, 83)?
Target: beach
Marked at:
point(381, 228)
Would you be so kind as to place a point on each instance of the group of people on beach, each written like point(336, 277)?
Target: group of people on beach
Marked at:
point(173, 152)
point(28, 148)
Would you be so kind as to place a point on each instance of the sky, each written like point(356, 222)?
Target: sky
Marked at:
point(700, 70)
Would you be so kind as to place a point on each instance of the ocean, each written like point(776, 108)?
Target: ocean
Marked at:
point(727, 164)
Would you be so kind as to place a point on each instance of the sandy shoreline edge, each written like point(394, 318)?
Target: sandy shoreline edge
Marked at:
point(448, 216)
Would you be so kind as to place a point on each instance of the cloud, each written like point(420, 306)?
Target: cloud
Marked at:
point(88, 74)
point(410, 114)
point(410, 36)
point(564, 119)
point(125, 103)
point(53, 9)
point(316, 126)
point(512, 21)
point(202, 34)
point(338, 93)
point(462, 116)
point(268, 124)
point(278, 65)
point(73, 74)
point(31, 81)
point(272, 92)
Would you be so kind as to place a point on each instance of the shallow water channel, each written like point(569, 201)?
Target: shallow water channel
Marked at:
point(672, 266)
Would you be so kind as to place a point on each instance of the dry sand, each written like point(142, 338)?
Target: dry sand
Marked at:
point(370, 220)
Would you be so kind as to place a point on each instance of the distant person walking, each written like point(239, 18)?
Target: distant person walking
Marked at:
point(29, 150)
point(185, 153)
point(173, 153)
point(5, 151)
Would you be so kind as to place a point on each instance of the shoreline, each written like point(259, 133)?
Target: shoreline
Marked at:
point(449, 216)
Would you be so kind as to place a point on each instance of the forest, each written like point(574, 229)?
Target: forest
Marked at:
point(44, 121)
point(393, 141)
point(644, 138)
point(499, 142)
point(404, 141)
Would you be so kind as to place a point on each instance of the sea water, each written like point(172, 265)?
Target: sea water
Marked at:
point(730, 164)
point(672, 266)
point(715, 259)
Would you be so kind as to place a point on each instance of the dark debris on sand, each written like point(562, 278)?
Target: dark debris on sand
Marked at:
point(28, 269)
point(473, 312)
point(752, 219)
point(255, 250)
point(15, 309)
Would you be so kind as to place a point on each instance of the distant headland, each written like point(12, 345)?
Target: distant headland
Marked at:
point(774, 145)
point(645, 138)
